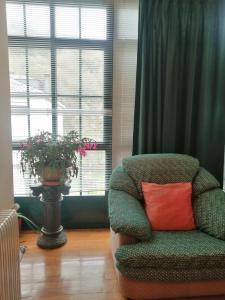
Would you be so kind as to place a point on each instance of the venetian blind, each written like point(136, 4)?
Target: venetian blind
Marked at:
point(60, 59)
point(124, 76)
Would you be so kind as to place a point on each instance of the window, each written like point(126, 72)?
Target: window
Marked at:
point(60, 59)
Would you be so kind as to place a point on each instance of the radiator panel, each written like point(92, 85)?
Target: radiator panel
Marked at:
point(9, 256)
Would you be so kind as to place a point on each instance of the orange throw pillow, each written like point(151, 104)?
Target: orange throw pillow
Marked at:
point(169, 206)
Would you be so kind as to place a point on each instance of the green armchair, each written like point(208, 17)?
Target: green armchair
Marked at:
point(164, 264)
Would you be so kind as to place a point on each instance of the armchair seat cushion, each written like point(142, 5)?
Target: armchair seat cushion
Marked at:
point(190, 254)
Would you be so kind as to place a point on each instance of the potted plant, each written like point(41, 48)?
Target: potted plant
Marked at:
point(53, 158)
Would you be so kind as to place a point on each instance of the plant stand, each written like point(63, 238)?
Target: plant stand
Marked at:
point(53, 235)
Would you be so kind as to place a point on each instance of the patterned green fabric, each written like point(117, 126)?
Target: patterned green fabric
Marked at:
point(209, 209)
point(127, 215)
point(172, 275)
point(203, 182)
point(122, 182)
point(176, 256)
point(168, 256)
point(177, 250)
point(160, 168)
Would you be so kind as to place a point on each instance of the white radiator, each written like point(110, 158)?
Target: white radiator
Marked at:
point(9, 256)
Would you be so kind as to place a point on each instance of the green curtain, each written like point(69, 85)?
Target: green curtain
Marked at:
point(180, 89)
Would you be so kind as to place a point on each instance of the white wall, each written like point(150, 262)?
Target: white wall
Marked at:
point(124, 77)
point(6, 178)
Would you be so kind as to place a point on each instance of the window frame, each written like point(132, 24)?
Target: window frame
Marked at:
point(53, 43)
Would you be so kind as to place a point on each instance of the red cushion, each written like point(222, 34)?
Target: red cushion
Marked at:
point(169, 206)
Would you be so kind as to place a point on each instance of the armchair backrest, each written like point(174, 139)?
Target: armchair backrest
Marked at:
point(161, 169)
point(208, 198)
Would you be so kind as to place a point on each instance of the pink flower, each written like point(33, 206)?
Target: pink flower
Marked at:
point(90, 146)
point(82, 151)
point(87, 146)
point(94, 146)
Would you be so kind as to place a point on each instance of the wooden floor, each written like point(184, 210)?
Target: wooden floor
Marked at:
point(81, 270)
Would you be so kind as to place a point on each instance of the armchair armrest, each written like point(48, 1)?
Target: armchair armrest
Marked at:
point(127, 216)
point(209, 209)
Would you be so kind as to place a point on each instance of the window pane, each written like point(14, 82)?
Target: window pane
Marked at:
point(67, 22)
point(92, 123)
point(93, 173)
point(68, 115)
point(41, 103)
point(92, 126)
point(38, 20)
point(76, 181)
point(90, 104)
point(40, 122)
point(17, 70)
point(15, 17)
point(18, 102)
point(19, 127)
point(67, 71)
point(92, 73)
point(41, 115)
point(39, 71)
point(20, 182)
point(93, 23)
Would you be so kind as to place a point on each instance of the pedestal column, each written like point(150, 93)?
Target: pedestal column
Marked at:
point(52, 233)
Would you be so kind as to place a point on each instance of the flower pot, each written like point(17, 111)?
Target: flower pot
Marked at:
point(51, 176)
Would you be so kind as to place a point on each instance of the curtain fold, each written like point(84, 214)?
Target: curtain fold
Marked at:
point(180, 86)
